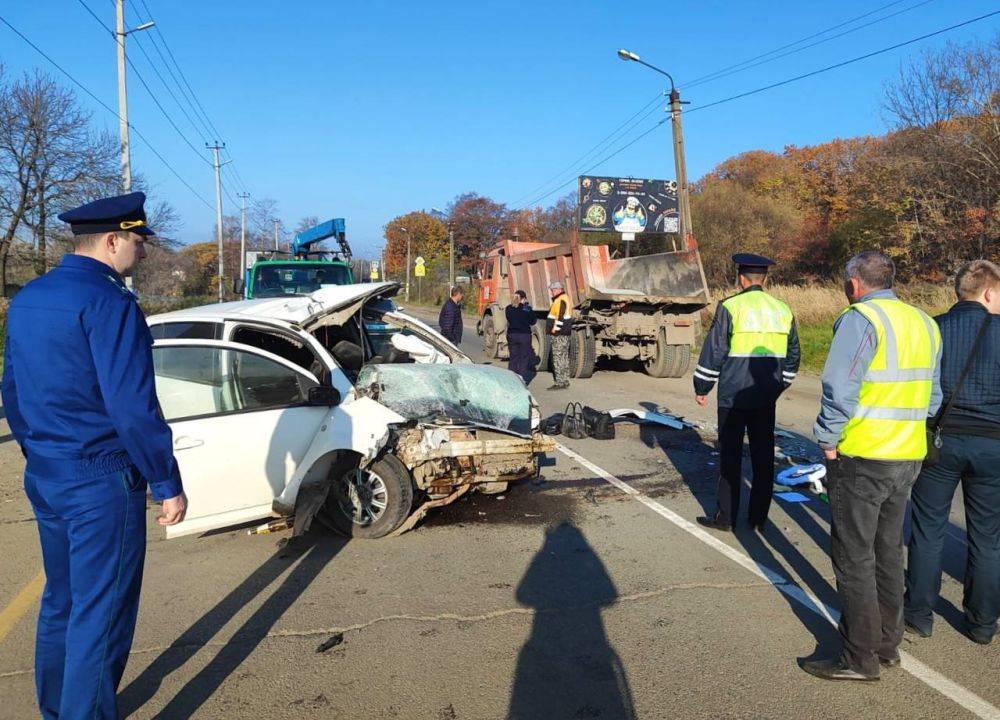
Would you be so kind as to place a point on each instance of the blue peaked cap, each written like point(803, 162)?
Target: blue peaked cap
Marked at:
point(111, 214)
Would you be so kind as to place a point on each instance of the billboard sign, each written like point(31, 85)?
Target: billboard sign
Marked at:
point(628, 205)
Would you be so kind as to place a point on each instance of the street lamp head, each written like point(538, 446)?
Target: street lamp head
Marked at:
point(144, 26)
point(626, 55)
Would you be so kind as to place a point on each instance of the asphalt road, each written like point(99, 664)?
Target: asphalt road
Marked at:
point(574, 597)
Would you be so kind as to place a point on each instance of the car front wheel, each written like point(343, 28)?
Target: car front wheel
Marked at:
point(373, 501)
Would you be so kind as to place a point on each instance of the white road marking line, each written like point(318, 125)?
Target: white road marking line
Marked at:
point(953, 691)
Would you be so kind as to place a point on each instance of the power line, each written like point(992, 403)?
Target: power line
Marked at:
point(163, 39)
point(711, 75)
point(142, 80)
point(106, 107)
point(589, 152)
point(845, 62)
point(601, 161)
point(188, 94)
point(777, 84)
point(810, 45)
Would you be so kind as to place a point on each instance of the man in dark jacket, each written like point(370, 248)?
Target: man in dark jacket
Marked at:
point(520, 319)
point(450, 319)
point(752, 352)
point(970, 455)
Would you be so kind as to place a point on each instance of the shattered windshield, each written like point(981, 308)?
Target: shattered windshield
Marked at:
point(477, 394)
point(274, 280)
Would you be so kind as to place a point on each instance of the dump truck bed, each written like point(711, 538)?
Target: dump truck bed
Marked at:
point(589, 274)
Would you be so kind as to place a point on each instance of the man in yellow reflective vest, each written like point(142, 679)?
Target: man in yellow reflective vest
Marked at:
point(752, 352)
point(880, 383)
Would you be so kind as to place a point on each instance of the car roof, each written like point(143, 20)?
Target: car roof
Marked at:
point(293, 309)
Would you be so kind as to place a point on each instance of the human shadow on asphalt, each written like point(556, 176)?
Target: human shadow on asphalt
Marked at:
point(568, 668)
point(313, 552)
point(690, 455)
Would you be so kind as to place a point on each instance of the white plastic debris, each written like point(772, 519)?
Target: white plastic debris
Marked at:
point(670, 421)
point(811, 475)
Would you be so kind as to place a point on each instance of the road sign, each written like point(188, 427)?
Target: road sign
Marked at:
point(374, 272)
point(420, 270)
point(419, 260)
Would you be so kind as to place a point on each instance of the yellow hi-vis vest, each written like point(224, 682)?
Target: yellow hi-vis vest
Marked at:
point(761, 325)
point(889, 422)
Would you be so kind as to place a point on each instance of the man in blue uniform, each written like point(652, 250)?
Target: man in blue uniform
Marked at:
point(752, 352)
point(79, 396)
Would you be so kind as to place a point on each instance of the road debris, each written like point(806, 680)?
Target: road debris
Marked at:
point(331, 642)
point(650, 416)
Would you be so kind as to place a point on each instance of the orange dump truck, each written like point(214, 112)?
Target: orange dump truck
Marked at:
point(641, 308)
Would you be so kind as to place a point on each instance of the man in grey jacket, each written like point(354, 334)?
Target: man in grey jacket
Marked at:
point(881, 380)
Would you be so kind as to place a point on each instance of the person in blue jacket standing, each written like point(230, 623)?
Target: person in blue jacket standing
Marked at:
point(520, 319)
point(79, 395)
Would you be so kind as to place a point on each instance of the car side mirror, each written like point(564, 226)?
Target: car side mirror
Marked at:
point(324, 396)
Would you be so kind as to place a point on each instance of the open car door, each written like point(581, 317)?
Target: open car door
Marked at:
point(241, 424)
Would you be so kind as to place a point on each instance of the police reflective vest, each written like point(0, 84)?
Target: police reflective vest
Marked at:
point(889, 422)
point(560, 317)
point(760, 325)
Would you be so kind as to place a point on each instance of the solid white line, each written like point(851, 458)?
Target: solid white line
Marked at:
point(953, 691)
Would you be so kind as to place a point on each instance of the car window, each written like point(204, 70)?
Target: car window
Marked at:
point(281, 344)
point(274, 280)
point(193, 381)
point(187, 331)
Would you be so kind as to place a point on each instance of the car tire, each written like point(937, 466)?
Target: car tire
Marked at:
point(661, 364)
point(386, 481)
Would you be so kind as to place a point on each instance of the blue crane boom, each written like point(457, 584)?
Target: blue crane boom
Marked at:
point(335, 228)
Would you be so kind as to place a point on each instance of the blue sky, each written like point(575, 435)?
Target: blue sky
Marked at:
point(368, 110)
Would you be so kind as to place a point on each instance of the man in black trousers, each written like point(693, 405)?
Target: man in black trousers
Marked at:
point(450, 319)
point(752, 352)
point(969, 455)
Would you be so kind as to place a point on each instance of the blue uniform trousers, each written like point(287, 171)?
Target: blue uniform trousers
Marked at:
point(91, 522)
point(519, 345)
point(974, 462)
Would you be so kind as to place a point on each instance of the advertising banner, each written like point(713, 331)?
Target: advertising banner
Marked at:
point(628, 205)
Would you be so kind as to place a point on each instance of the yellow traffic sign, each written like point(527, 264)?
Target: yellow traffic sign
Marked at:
point(420, 270)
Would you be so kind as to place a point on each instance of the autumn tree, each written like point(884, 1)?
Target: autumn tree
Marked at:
point(478, 223)
point(427, 237)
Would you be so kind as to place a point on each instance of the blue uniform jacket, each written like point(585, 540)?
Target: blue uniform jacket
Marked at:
point(78, 374)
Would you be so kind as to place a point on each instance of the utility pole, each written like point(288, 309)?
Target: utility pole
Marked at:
point(276, 234)
point(451, 259)
point(126, 153)
point(243, 234)
point(123, 96)
point(683, 196)
point(218, 206)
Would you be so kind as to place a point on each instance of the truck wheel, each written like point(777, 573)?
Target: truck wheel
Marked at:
point(682, 360)
point(661, 364)
point(371, 502)
point(540, 346)
point(582, 353)
point(490, 344)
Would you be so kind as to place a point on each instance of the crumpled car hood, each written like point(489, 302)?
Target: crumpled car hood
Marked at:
point(480, 395)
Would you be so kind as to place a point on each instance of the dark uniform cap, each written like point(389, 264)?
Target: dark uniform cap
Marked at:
point(112, 214)
point(752, 263)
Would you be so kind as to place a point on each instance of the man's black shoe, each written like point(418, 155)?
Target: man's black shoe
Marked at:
point(977, 639)
point(835, 670)
point(759, 527)
point(914, 630)
point(714, 523)
point(892, 662)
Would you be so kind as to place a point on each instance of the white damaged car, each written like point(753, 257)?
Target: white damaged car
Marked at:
point(333, 405)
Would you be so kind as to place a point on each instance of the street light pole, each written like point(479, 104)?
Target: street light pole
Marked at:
point(680, 164)
point(218, 207)
point(126, 153)
point(407, 262)
point(243, 234)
